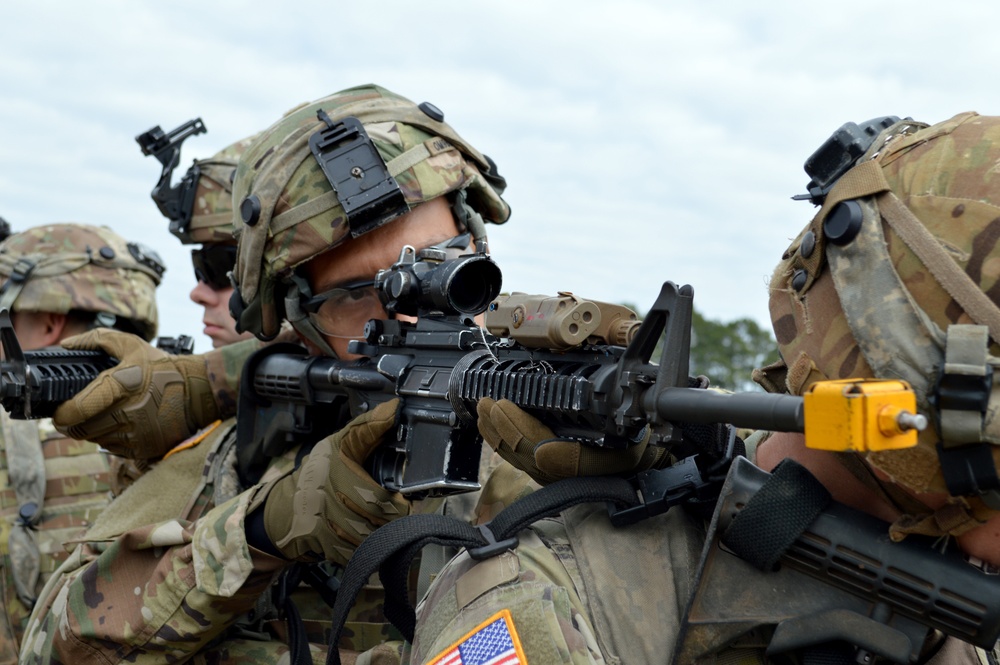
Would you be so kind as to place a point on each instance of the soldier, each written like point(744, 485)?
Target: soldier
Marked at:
point(186, 588)
point(59, 280)
point(886, 281)
point(208, 221)
point(211, 225)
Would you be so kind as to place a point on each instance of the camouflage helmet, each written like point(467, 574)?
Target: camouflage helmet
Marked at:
point(386, 155)
point(75, 267)
point(898, 276)
point(212, 210)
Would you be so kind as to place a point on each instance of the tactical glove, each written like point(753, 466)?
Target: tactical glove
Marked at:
point(142, 407)
point(526, 443)
point(326, 507)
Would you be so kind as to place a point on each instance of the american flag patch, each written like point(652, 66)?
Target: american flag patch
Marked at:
point(493, 642)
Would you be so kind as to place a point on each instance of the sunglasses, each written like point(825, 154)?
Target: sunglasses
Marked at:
point(213, 263)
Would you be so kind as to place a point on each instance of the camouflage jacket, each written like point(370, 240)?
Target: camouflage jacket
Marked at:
point(579, 591)
point(143, 587)
point(76, 490)
point(140, 589)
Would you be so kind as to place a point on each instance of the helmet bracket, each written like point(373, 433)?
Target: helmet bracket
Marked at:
point(175, 203)
point(366, 190)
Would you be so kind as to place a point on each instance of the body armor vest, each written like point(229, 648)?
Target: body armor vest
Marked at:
point(33, 533)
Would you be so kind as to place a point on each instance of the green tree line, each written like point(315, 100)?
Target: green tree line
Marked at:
point(728, 351)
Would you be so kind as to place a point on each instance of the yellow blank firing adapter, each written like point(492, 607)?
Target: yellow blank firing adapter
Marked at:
point(862, 414)
point(561, 322)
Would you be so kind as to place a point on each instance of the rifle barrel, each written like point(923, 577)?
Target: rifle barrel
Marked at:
point(781, 413)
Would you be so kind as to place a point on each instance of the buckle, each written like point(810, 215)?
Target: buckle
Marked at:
point(22, 270)
point(962, 392)
point(366, 190)
point(492, 546)
point(967, 468)
point(659, 490)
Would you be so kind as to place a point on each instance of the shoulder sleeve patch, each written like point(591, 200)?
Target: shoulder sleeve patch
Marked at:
point(493, 642)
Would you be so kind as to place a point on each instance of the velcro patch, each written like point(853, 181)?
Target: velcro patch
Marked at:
point(437, 145)
point(493, 642)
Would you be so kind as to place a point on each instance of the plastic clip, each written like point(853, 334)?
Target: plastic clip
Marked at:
point(492, 546)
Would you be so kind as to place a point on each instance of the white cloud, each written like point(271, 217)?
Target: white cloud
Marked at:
point(642, 141)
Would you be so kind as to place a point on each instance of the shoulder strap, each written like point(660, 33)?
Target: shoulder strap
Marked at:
point(391, 548)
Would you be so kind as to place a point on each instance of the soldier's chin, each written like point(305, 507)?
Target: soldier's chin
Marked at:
point(219, 335)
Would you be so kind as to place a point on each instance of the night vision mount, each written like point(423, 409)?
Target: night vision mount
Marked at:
point(175, 203)
point(352, 164)
point(838, 154)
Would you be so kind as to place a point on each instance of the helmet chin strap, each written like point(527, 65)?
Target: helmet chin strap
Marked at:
point(465, 215)
point(15, 283)
point(300, 319)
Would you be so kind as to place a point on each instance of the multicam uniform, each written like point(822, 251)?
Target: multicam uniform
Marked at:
point(175, 542)
point(147, 542)
point(55, 487)
point(154, 523)
point(577, 590)
point(174, 589)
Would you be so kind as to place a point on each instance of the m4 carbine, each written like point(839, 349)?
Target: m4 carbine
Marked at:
point(837, 576)
point(34, 383)
point(582, 368)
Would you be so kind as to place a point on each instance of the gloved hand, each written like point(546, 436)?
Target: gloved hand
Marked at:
point(526, 443)
point(326, 507)
point(142, 407)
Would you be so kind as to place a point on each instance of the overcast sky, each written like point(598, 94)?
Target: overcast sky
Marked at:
point(641, 141)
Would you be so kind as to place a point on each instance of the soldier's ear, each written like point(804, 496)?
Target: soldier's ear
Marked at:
point(54, 327)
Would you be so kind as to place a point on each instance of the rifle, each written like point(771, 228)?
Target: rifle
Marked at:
point(34, 383)
point(840, 579)
point(583, 368)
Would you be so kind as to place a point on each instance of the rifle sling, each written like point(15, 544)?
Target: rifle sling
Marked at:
point(391, 548)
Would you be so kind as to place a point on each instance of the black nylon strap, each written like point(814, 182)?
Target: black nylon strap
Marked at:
point(390, 549)
point(776, 515)
point(298, 643)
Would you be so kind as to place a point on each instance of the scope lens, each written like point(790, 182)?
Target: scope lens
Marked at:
point(473, 284)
